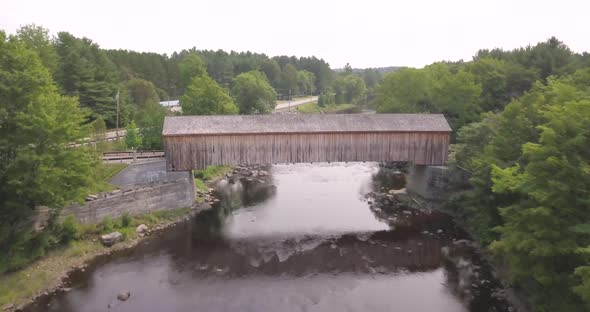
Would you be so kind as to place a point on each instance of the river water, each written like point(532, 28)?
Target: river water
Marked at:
point(303, 239)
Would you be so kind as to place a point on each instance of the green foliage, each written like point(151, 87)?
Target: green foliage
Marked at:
point(253, 93)
point(36, 126)
point(204, 97)
point(99, 128)
point(36, 38)
point(530, 182)
point(212, 172)
point(314, 108)
point(434, 89)
point(305, 82)
point(150, 121)
point(86, 72)
point(126, 219)
point(327, 98)
point(272, 70)
point(132, 137)
point(349, 89)
point(69, 230)
point(107, 225)
point(190, 67)
point(289, 80)
point(142, 93)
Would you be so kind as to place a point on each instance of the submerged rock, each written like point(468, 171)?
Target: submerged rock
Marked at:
point(111, 238)
point(124, 296)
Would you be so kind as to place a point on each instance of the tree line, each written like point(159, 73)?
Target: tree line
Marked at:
point(521, 122)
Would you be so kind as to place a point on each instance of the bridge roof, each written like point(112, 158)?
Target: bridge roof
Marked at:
point(303, 123)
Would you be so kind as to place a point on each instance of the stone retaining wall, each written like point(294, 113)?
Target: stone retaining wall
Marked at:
point(172, 194)
point(429, 182)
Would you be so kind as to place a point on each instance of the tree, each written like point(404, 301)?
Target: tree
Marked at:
point(36, 38)
point(190, 67)
point(150, 121)
point(132, 137)
point(371, 77)
point(349, 89)
point(530, 160)
point(272, 70)
point(545, 236)
point(204, 97)
point(253, 93)
point(327, 98)
point(86, 72)
point(347, 69)
point(305, 82)
point(407, 90)
point(289, 80)
point(142, 93)
point(99, 128)
point(37, 168)
point(456, 95)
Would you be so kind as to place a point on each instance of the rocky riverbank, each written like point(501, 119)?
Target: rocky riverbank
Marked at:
point(472, 270)
point(49, 275)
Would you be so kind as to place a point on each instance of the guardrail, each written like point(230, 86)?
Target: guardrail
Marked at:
point(131, 156)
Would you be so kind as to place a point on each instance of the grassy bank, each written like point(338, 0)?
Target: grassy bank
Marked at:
point(208, 174)
point(314, 108)
point(46, 274)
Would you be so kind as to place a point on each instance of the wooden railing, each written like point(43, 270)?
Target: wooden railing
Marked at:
point(130, 156)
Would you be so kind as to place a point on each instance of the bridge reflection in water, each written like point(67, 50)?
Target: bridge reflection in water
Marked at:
point(346, 259)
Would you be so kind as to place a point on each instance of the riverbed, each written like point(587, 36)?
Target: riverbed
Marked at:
point(304, 237)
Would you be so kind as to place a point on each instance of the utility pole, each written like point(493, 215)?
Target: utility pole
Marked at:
point(117, 122)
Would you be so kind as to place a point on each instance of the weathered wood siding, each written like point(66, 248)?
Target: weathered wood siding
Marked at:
point(196, 151)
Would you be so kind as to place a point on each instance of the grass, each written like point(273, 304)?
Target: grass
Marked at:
point(104, 172)
point(295, 99)
point(309, 108)
point(212, 172)
point(16, 288)
point(111, 146)
point(207, 175)
point(314, 108)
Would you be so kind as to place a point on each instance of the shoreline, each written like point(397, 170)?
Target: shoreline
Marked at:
point(68, 263)
point(54, 269)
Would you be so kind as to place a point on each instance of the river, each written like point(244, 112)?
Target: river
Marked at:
point(304, 239)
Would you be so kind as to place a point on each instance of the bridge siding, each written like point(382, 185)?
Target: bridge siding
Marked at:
point(197, 151)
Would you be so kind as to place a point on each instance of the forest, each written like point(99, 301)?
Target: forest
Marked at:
point(520, 120)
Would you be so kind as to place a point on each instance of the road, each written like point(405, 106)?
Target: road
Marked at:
point(288, 104)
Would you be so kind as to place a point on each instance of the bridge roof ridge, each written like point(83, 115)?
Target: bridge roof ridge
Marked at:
point(303, 123)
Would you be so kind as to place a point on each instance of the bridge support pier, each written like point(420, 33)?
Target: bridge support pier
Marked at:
point(429, 182)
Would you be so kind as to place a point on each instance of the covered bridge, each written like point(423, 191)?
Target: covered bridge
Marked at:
point(194, 142)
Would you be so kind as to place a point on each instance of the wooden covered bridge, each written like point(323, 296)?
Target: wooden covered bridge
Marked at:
point(194, 142)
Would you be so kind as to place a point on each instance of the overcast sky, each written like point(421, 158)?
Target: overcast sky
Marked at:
point(366, 33)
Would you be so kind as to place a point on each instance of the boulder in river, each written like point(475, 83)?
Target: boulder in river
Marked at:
point(124, 296)
point(111, 238)
point(141, 229)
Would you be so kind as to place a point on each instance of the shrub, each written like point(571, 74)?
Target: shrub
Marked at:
point(126, 220)
point(107, 225)
point(69, 230)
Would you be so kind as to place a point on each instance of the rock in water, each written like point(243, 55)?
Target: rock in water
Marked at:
point(111, 239)
point(141, 229)
point(124, 296)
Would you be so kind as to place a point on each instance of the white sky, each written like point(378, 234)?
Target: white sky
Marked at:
point(366, 33)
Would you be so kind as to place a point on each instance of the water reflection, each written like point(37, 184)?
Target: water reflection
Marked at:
point(299, 238)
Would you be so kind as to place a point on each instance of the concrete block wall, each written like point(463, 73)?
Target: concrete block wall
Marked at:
point(165, 196)
point(429, 182)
